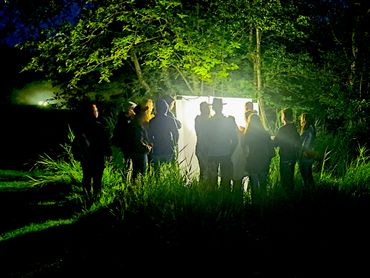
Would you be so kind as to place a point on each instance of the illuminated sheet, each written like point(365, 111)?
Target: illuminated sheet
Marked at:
point(187, 108)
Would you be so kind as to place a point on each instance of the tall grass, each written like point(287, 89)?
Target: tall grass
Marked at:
point(66, 170)
point(357, 176)
point(168, 191)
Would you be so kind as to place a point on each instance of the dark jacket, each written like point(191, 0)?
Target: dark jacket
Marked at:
point(91, 142)
point(137, 140)
point(202, 131)
point(163, 131)
point(289, 142)
point(177, 122)
point(259, 149)
point(222, 136)
point(120, 138)
point(307, 140)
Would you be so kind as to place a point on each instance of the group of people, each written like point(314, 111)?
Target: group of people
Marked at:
point(148, 133)
point(232, 153)
point(142, 135)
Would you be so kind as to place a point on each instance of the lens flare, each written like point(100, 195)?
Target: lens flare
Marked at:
point(36, 93)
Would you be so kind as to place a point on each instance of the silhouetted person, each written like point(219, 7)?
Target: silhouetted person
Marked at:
point(163, 134)
point(201, 148)
point(289, 143)
point(171, 105)
point(138, 143)
point(249, 109)
point(259, 150)
point(306, 159)
point(119, 138)
point(222, 141)
point(91, 147)
point(238, 157)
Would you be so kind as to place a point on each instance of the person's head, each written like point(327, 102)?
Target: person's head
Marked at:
point(287, 116)
point(89, 111)
point(170, 101)
point(254, 123)
point(217, 105)
point(140, 113)
point(129, 109)
point(95, 111)
point(249, 106)
point(204, 109)
point(306, 120)
point(161, 107)
point(149, 113)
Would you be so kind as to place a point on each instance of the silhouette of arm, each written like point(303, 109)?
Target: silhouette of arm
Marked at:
point(307, 141)
point(277, 139)
point(177, 122)
point(174, 131)
point(141, 143)
point(151, 131)
point(196, 126)
point(234, 134)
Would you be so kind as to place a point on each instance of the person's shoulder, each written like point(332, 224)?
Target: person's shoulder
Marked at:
point(153, 120)
point(99, 125)
point(288, 127)
point(170, 120)
point(312, 130)
point(282, 130)
point(231, 120)
point(265, 133)
point(284, 127)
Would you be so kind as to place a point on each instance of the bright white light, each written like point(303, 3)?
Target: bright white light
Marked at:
point(36, 93)
point(43, 103)
point(187, 108)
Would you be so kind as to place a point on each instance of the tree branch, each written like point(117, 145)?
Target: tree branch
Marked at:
point(139, 73)
point(184, 78)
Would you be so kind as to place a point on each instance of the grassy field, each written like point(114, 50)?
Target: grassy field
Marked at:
point(168, 223)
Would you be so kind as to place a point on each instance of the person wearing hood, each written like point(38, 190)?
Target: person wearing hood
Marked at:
point(171, 101)
point(163, 134)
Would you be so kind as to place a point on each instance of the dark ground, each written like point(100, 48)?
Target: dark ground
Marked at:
point(322, 234)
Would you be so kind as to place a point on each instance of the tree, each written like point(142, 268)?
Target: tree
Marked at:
point(111, 36)
point(258, 25)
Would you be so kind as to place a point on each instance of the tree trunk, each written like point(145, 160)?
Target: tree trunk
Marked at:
point(250, 38)
point(354, 51)
point(139, 73)
point(185, 79)
point(258, 76)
